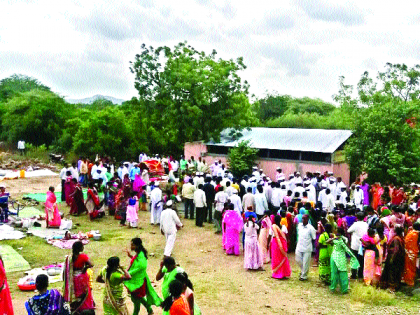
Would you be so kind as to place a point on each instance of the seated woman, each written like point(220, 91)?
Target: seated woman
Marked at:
point(47, 301)
point(113, 276)
point(93, 204)
point(53, 216)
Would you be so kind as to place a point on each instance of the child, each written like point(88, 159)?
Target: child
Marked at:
point(143, 198)
point(252, 252)
point(132, 208)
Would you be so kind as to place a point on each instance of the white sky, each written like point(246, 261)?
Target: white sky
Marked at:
point(300, 48)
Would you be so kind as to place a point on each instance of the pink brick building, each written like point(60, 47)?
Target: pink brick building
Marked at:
point(303, 150)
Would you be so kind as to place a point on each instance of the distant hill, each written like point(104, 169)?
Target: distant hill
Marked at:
point(90, 100)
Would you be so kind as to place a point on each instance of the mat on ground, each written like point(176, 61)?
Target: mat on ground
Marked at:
point(13, 261)
point(9, 233)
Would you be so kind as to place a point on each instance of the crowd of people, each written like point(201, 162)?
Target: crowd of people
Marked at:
point(316, 216)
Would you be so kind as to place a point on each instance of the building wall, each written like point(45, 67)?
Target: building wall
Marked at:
point(268, 166)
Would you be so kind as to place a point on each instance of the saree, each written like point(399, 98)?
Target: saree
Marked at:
point(53, 217)
point(411, 254)
point(394, 265)
point(114, 298)
point(369, 266)
point(180, 307)
point(263, 239)
point(279, 262)
point(325, 251)
point(49, 303)
point(68, 189)
point(140, 279)
point(77, 204)
point(232, 224)
point(77, 290)
point(6, 306)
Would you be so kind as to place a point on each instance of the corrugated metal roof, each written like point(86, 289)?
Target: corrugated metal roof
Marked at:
point(289, 139)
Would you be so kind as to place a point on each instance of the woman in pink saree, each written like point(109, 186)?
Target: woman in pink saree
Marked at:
point(53, 217)
point(279, 262)
point(264, 236)
point(232, 224)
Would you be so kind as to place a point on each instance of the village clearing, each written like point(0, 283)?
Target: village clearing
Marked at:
point(221, 284)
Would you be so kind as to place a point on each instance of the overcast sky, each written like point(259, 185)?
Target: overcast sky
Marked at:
point(300, 48)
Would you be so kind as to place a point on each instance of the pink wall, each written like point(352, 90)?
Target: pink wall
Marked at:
point(269, 167)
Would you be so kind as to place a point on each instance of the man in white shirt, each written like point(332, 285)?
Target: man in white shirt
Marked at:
point(21, 147)
point(63, 177)
point(357, 230)
point(236, 201)
point(156, 204)
point(220, 199)
point(330, 201)
point(358, 197)
point(306, 235)
point(169, 224)
point(261, 205)
point(200, 205)
point(276, 197)
point(255, 173)
point(279, 174)
point(248, 200)
point(229, 189)
point(310, 189)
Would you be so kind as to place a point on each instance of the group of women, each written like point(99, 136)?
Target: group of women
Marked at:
point(261, 245)
point(77, 298)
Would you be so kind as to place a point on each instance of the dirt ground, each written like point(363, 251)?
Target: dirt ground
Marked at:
point(221, 284)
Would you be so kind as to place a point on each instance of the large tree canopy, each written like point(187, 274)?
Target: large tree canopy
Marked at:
point(18, 83)
point(386, 140)
point(190, 95)
point(36, 116)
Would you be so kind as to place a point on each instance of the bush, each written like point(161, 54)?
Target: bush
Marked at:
point(241, 159)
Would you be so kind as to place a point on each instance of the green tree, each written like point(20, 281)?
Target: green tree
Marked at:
point(271, 106)
point(384, 145)
point(17, 83)
point(105, 132)
point(36, 116)
point(242, 158)
point(189, 95)
point(310, 106)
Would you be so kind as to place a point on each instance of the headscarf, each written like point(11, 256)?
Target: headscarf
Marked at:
point(385, 212)
point(302, 212)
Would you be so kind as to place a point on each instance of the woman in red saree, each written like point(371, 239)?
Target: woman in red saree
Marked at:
point(278, 247)
point(77, 290)
point(53, 217)
point(411, 253)
point(68, 187)
point(6, 306)
point(77, 203)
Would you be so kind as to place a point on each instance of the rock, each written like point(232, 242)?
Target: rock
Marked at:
point(267, 305)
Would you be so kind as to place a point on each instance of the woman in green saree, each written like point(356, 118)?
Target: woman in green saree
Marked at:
point(113, 276)
point(325, 251)
point(139, 285)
